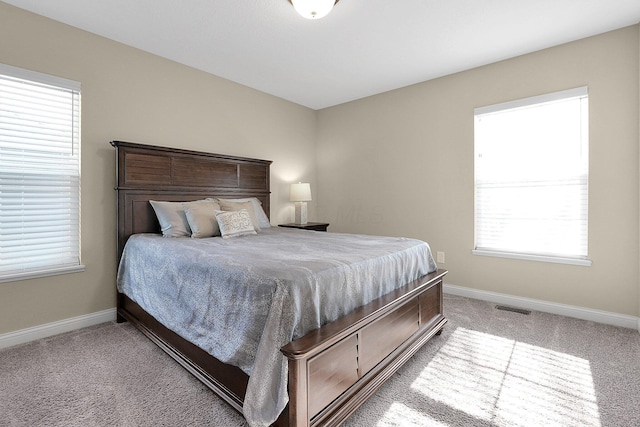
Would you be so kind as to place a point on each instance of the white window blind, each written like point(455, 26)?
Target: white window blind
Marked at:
point(532, 176)
point(39, 174)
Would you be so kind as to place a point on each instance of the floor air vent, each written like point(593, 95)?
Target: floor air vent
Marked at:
point(513, 309)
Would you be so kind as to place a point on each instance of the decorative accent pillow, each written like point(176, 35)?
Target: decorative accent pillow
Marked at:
point(226, 205)
point(235, 223)
point(202, 219)
point(171, 216)
point(263, 219)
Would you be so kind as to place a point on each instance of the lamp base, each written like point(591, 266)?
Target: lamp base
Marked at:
point(301, 213)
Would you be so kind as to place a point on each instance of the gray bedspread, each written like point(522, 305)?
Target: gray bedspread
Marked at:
point(242, 299)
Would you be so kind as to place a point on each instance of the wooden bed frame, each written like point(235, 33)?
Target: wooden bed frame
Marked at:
point(332, 370)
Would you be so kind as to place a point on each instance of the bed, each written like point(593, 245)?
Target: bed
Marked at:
point(329, 371)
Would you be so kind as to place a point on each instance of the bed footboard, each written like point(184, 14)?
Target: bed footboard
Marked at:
point(333, 370)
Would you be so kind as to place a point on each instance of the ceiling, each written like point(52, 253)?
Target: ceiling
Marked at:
point(363, 47)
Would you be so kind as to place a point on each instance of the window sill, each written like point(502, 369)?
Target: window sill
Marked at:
point(41, 273)
point(528, 257)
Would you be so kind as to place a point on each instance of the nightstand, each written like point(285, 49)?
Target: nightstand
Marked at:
point(316, 226)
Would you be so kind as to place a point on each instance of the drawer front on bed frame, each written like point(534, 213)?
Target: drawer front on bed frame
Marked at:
point(380, 338)
point(332, 372)
point(430, 305)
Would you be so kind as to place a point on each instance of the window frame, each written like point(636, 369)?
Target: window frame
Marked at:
point(75, 87)
point(579, 92)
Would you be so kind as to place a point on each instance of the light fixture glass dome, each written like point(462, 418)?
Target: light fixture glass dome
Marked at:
point(313, 9)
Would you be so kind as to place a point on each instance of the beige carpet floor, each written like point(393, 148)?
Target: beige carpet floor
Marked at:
point(488, 368)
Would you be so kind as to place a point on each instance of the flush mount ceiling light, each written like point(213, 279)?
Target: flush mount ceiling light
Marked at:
point(313, 9)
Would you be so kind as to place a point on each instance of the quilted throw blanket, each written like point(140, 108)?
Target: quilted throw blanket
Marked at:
point(242, 299)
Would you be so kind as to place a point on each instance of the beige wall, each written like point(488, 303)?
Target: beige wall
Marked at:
point(133, 96)
point(401, 163)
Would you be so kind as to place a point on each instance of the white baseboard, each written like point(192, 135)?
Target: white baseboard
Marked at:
point(43, 331)
point(67, 325)
point(599, 316)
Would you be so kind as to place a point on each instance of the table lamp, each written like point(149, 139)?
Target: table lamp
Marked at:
point(301, 194)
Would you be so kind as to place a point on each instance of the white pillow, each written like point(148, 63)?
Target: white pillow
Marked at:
point(235, 223)
point(171, 216)
point(202, 219)
point(226, 205)
point(263, 219)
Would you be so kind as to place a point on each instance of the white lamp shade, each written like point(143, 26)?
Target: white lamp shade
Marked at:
point(300, 192)
point(313, 9)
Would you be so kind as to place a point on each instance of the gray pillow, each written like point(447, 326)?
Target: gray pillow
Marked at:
point(202, 219)
point(263, 219)
point(227, 205)
point(171, 216)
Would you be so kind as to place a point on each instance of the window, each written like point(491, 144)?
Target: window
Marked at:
point(39, 174)
point(531, 178)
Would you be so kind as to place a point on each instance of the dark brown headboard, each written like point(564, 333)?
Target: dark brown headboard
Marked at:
point(147, 172)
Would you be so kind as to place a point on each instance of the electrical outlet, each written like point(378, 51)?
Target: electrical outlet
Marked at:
point(440, 257)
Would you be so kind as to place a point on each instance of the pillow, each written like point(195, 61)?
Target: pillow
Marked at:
point(171, 216)
point(235, 223)
point(202, 219)
point(226, 205)
point(262, 217)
